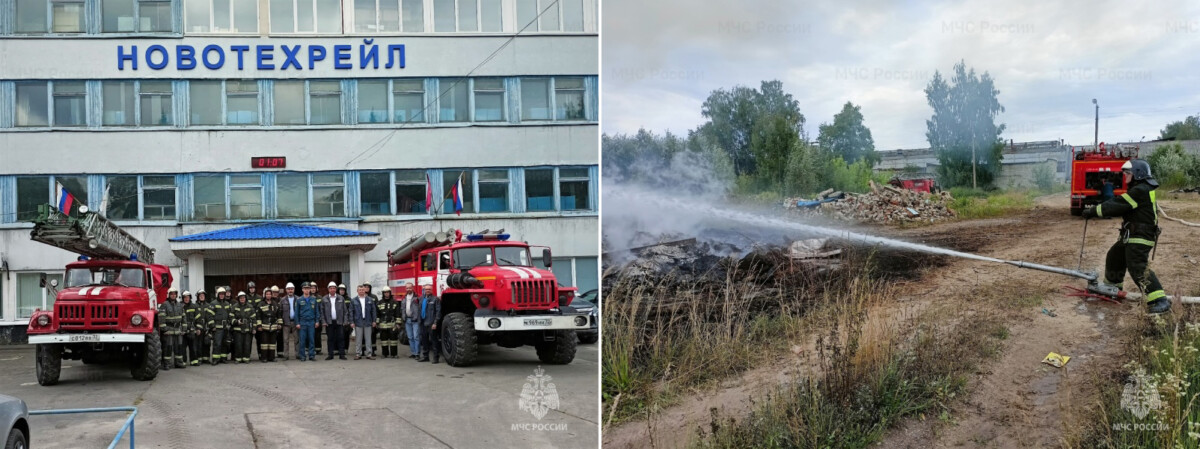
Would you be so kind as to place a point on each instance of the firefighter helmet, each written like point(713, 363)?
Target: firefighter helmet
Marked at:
point(250, 284)
point(172, 290)
point(187, 294)
point(201, 292)
point(274, 289)
point(220, 290)
point(1140, 170)
point(241, 294)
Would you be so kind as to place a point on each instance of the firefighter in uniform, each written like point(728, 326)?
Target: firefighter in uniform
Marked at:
point(1138, 209)
point(268, 321)
point(190, 315)
point(255, 300)
point(310, 289)
point(202, 328)
point(387, 311)
point(220, 328)
point(170, 327)
point(242, 323)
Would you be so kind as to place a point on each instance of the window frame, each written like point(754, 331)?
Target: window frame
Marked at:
point(554, 98)
point(312, 197)
point(426, 186)
point(558, 179)
point(474, 105)
point(309, 95)
point(479, 184)
point(230, 187)
point(316, 16)
point(212, 18)
point(141, 196)
point(140, 94)
point(49, 85)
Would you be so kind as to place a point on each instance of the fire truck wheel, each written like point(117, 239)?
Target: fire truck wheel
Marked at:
point(49, 363)
point(145, 365)
point(459, 344)
point(561, 351)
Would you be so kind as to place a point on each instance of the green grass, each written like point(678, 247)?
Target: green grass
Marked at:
point(1166, 353)
point(857, 399)
point(975, 204)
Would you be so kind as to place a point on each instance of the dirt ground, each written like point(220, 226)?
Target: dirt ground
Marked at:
point(1013, 400)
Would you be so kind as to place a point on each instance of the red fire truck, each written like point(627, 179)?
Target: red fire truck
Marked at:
point(105, 310)
point(491, 293)
point(1091, 168)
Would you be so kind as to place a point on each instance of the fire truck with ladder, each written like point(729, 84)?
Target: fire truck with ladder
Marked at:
point(491, 293)
point(1091, 167)
point(105, 309)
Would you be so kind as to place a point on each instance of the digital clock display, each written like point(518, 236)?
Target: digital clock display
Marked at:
point(268, 162)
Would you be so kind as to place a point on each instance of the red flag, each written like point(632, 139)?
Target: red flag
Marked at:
point(428, 194)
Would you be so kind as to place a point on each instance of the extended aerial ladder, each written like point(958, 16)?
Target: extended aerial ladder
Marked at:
point(89, 234)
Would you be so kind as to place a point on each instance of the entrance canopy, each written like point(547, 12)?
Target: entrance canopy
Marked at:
point(274, 239)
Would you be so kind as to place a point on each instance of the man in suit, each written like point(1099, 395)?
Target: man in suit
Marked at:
point(410, 314)
point(287, 306)
point(334, 315)
point(362, 309)
point(431, 315)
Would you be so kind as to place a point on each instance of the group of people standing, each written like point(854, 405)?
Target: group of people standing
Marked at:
point(226, 329)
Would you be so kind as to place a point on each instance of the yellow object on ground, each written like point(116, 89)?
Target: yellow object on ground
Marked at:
point(1056, 360)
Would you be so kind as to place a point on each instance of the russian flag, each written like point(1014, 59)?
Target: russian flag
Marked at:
point(456, 195)
point(65, 198)
point(428, 194)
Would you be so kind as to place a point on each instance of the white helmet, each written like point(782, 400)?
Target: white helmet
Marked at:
point(241, 294)
point(220, 290)
point(172, 290)
point(187, 293)
point(1127, 166)
point(290, 285)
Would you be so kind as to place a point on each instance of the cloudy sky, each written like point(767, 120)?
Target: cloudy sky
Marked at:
point(1049, 59)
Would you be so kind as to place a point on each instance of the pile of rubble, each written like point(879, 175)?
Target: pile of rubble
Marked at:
point(884, 204)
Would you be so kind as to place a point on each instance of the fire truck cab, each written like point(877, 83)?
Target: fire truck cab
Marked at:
point(491, 292)
point(1092, 168)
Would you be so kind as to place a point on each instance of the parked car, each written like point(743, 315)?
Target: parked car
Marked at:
point(14, 414)
point(589, 302)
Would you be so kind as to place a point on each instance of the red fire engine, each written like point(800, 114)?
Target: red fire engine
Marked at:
point(1091, 168)
point(491, 293)
point(105, 311)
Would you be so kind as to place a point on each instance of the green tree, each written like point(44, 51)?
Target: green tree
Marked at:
point(771, 143)
point(964, 121)
point(1174, 167)
point(1188, 129)
point(848, 137)
point(734, 118)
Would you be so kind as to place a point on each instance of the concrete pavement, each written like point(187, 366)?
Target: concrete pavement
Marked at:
point(379, 403)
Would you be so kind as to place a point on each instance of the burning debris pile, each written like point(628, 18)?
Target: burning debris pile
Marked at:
point(884, 204)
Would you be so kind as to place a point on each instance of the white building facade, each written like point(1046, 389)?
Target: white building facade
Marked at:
point(183, 117)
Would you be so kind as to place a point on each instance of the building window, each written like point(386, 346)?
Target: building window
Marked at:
point(70, 103)
point(245, 197)
point(67, 16)
point(374, 193)
point(30, 294)
point(306, 16)
point(413, 12)
point(493, 190)
point(535, 99)
point(410, 191)
point(122, 201)
point(409, 100)
point(77, 185)
point(33, 107)
point(443, 16)
point(31, 16)
point(329, 195)
point(489, 99)
point(32, 191)
point(209, 197)
point(117, 16)
point(449, 179)
point(573, 189)
point(156, 103)
point(372, 101)
point(453, 100)
point(289, 102)
point(205, 102)
point(241, 102)
point(158, 194)
point(325, 102)
point(154, 16)
point(491, 16)
point(221, 16)
point(468, 16)
point(376, 16)
point(118, 103)
point(291, 195)
point(568, 99)
point(539, 189)
point(570, 15)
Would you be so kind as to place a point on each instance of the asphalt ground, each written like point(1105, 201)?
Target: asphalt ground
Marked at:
point(352, 403)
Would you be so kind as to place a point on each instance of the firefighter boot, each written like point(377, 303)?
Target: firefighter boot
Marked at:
point(1159, 306)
